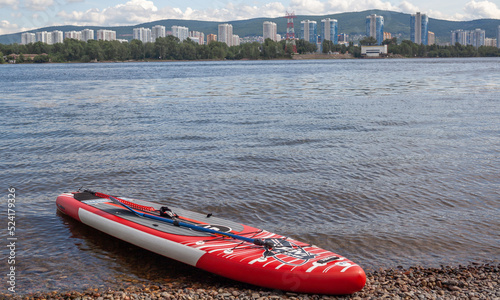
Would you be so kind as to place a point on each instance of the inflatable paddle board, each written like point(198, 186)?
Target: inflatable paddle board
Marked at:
point(223, 247)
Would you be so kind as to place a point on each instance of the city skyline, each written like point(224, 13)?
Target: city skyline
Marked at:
point(17, 16)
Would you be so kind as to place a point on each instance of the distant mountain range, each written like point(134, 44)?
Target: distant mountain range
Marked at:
point(352, 23)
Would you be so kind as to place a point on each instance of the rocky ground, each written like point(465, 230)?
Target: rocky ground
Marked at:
point(468, 282)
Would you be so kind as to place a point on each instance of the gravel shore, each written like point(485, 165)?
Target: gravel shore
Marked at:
point(463, 282)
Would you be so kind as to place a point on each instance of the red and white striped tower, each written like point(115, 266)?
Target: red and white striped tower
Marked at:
point(290, 32)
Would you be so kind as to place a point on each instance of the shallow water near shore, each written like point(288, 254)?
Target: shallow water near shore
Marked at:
point(387, 162)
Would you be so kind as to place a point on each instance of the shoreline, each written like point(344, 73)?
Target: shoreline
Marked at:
point(310, 56)
point(476, 281)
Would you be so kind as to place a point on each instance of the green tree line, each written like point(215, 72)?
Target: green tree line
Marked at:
point(171, 48)
point(166, 48)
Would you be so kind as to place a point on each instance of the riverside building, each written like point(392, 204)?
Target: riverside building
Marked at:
point(142, 34)
point(106, 35)
point(180, 32)
point(419, 28)
point(57, 36)
point(76, 35)
point(211, 38)
point(44, 37)
point(27, 38)
point(498, 37)
point(309, 31)
point(225, 34)
point(329, 30)
point(87, 34)
point(197, 37)
point(270, 31)
point(158, 31)
point(475, 37)
point(375, 27)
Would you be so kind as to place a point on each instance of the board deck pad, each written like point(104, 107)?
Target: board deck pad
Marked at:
point(213, 222)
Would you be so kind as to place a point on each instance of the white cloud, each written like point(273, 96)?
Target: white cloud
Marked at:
point(482, 10)
point(337, 6)
point(6, 27)
point(307, 7)
point(142, 11)
point(9, 3)
point(408, 7)
point(39, 5)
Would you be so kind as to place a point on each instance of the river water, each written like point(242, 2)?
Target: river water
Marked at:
point(387, 162)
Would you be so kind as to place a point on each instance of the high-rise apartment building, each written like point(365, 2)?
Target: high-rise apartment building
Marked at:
point(490, 42)
point(459, 36)
point(57, 36)
point(431, 38)
point(106, 35)
point(158, 31)
point(270, 31)
point(42, 36)
point(309, 31)
point(225, 34)
point(498, 37)
point(142, 34)
point(419, 27)
point(211, 38)
point(180, 32)
point(198, 37)
point(477, 37)
point(329, 30)
point(87, 34)
point(27, 38)
point(375, 27)
point(76, 35)
point(236, 40)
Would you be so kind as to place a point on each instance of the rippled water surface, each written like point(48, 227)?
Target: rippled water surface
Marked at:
point(387, 162)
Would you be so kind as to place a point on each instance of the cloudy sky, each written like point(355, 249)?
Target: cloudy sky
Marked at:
point(21, 15)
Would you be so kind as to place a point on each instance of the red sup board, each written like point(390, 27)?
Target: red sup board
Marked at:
point(223, 247)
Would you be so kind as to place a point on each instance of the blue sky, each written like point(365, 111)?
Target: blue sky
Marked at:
point(21, 15)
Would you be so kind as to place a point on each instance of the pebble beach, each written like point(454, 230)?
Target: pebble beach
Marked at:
point(462, 282)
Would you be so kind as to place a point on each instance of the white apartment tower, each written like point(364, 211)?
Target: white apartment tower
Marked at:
point(270, 31)
point(180, 32)
point(157, 31)
point(44, 37)
point(57, 36)
point(142, 34)
point(87, 34)
point(27, 38)
point(225, 34)
point(106, 35)
point(76, 35)
point(236, 40)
